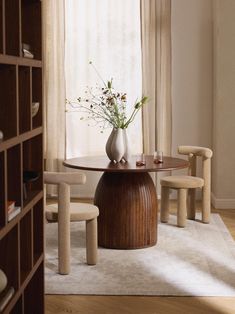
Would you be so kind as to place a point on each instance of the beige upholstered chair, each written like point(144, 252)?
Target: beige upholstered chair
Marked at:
point(67, 211)
point(187, 185)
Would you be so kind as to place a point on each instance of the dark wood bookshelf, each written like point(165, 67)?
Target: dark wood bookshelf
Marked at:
point(1, 26)
point(2, 190)
point(24, 99)
point(26, 246)
point(21, 150)
point(37, 229)
point(30, 15)
point(12, 27)
point(37, 95)
point(8, 108)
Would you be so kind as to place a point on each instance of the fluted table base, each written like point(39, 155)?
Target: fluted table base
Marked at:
point(128, 210)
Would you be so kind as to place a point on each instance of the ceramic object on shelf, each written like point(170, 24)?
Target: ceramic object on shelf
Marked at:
point(117, 146)
point(35, 108)
point(1, 136)
point(3, 281)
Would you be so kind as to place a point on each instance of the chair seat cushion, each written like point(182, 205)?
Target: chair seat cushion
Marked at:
point(78, 212)
point(182, 182)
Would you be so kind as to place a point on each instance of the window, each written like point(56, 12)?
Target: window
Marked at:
point(106, 32)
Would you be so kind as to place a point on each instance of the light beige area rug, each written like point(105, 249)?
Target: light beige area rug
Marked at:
point(198, 260)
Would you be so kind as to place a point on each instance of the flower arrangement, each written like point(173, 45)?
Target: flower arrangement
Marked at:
point(106, 106)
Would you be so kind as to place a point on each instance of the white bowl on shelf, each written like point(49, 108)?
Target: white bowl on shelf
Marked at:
point(1, 135)
point(35, 108)
point(3, 281)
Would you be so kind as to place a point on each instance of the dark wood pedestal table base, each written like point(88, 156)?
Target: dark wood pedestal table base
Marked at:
point(126, 198)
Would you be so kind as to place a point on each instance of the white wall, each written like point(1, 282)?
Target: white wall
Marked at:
point(192, 75)
point(224, 104)
point(192, 72)
point(203, 86)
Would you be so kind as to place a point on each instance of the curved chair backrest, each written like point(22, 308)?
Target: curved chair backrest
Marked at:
point(196, 151)
point(64, 180)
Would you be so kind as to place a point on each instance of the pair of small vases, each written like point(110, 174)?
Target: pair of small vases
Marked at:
point(117, 146)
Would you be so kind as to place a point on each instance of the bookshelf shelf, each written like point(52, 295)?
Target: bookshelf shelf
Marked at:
point(19, 139)
point(21, 239)
point(13, 60)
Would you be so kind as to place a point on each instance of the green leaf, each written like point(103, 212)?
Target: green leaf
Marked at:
point(137, 105)
point(144, 100)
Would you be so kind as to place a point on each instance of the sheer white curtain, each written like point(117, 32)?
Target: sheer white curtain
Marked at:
point(156, 58)
point(108, 33)
point(53, 86)
point(54, 83)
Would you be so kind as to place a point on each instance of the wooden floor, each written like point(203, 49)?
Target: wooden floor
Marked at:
point(146, 305)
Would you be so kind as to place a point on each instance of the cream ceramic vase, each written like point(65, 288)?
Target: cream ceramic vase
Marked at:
point(127, 153)
point(117, 146)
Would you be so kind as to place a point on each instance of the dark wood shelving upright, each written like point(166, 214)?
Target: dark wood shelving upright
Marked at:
point(21, 238)
point(24, 99)
point(12, 27)
point(1, 26)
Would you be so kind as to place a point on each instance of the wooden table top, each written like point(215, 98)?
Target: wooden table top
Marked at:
point(102, 163)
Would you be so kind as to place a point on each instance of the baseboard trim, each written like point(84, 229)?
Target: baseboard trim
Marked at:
point(222, 203)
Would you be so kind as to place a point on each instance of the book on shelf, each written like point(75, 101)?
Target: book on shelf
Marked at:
point(5, 297)
point(14, 213)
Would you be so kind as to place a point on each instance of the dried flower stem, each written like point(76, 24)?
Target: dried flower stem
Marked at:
point(108, 107)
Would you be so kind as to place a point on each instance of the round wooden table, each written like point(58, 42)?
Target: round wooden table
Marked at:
point(126, 198)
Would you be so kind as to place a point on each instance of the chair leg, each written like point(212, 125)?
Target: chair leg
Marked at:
point(206, 205)
point(164, 213)
point(182, 207)
point(64, 229)
point(91, 241)
point(206, 190)
point(191, 209)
